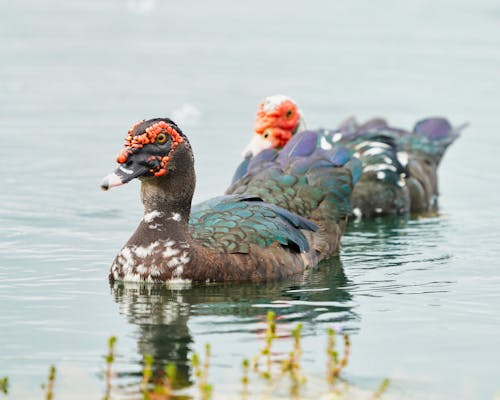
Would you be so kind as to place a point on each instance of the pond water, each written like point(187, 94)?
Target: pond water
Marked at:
point(420, 296)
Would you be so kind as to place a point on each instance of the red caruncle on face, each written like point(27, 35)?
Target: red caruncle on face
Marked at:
point(156, 133)
point(277, 122)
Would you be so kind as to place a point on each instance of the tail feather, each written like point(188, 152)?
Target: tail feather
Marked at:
point(430, 138)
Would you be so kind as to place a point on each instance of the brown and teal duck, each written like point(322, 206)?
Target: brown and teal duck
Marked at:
point(399, 167)
point(247, 236)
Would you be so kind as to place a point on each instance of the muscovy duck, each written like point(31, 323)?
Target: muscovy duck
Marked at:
point(235, 237)
point(399, 167)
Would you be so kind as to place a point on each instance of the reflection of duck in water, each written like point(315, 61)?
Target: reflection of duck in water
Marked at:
point(388, 254)
point(162, 314)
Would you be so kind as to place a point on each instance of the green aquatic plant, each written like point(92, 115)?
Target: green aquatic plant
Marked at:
point(266, 351)
point(245, 380)
point(4, 385)
point(289, 365)
point(147, 373)
point(334, 364)
point(49, 386)
point(110, 359)
point(201, 373)
point(163, 387)
point(381, 389)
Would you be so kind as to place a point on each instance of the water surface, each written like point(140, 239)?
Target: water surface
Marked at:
point(419, 296)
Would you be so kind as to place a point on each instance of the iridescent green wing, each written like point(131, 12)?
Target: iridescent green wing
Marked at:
point(304, 178)
point(232, 223)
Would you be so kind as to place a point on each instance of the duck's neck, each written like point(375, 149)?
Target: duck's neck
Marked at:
point(301, 126)
point(170, 196)
point(157, 199)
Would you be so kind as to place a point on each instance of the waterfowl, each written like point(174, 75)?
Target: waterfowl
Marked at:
point(399, 167)
point(236, 237)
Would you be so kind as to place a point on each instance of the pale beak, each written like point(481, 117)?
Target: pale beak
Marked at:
point(111, 180)
point(256, 145)
point(123, 175)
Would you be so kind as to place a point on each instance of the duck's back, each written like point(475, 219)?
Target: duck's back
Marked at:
point(308, 180)
point(382, 188)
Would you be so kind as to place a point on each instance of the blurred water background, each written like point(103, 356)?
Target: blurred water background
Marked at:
point(420, 297)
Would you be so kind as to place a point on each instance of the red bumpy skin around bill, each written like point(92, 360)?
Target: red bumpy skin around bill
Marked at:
point(156, 133)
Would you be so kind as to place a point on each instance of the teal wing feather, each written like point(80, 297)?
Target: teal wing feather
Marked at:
point(233, 223)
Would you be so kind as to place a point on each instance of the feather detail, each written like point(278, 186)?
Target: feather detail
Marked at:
point(233, 223)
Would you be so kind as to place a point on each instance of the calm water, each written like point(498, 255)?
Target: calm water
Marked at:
point(420, 297)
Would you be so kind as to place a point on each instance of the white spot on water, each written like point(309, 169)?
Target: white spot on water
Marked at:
point(378, 210)
point(179, 283)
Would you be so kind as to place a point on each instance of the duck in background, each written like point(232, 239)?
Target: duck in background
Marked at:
point(248, 236)
point(399, 167)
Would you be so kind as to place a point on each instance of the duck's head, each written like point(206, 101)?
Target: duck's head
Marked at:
point(278, 119)
point(150, 151)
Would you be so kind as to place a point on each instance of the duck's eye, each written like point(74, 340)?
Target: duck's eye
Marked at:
point(289, 113)
point(266, 134)
point(161, 138)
